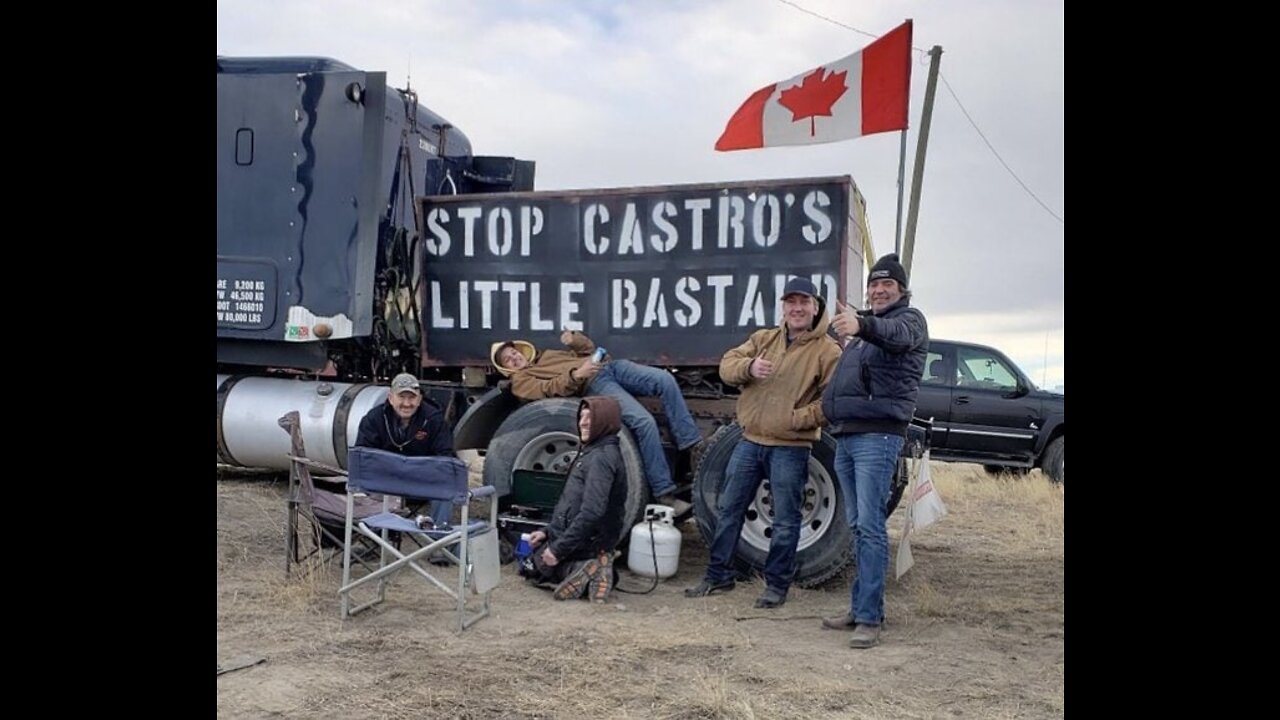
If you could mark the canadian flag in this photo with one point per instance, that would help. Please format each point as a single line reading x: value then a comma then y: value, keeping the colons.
x: 864, y: 93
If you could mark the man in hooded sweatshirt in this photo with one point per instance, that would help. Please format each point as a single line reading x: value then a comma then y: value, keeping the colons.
x: 566, y: 373
x: 587, y: 522
x: 781, y: 372
x: 868, y: 404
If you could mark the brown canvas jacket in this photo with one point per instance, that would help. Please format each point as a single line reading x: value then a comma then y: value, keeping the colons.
x: 786, y: 407
x: 548, y: 375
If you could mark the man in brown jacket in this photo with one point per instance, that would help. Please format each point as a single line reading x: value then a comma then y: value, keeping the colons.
x: 573, y: 372
x: 782, y: 372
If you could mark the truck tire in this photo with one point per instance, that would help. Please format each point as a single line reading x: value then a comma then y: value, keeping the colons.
x: 824, y: 535
x: 1054, y: 462
x: 543, y: 435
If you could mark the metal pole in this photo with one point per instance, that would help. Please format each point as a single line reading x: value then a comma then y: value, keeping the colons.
x: 917, y: 171
x: 902, y: 184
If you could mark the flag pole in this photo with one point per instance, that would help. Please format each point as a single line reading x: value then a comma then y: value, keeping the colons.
x: 917, y: 171
x: 902, y: 168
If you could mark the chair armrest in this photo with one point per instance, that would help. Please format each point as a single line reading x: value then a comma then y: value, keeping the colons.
x: 483, y: 491
x: 323, y: 467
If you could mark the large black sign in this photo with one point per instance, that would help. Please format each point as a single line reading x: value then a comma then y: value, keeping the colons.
x: 673, y: 275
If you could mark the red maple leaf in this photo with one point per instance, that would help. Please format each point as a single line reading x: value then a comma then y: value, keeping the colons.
x: 814, y: 96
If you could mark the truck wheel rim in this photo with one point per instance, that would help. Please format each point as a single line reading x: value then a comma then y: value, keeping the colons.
x: 817, y: 510
x: 551, y: 452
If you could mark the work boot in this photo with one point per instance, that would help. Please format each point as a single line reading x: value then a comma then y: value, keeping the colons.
x: 678, y: 506
x: 840, y: 622
x: 706, y: 587
x: 575, y: 583
x: 865, y: 636
x: 771, y: 598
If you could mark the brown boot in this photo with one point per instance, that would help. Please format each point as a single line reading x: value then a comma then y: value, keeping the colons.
x: 865, y: 636
x: 840, y: 622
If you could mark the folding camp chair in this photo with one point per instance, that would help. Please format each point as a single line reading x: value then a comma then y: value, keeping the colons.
x: 472, y: 546
x: 322, y: 511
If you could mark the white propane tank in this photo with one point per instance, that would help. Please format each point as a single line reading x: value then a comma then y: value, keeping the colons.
x: 663, y: 542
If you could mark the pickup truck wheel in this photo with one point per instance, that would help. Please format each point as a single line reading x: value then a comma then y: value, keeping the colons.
x: 543, y: 436
x: 823, y: 550
x: 1054, y: 462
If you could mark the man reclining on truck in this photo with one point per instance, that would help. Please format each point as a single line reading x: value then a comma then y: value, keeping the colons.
x: 588, y: 519
x: 573, y: 372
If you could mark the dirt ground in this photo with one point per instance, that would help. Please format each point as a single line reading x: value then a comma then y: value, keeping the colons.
x: 975, y: 629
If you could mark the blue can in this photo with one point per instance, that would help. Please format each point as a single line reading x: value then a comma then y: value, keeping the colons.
x: 597, y: 357
x: 523, y: 550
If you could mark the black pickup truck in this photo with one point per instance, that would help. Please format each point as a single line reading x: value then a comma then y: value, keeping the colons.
x: 985, y: 410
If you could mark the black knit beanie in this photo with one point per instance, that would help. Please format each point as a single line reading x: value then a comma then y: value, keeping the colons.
x: 888, y: 267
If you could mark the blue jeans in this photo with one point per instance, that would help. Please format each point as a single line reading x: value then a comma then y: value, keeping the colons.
x: 865, y: 464
x: 787, y: 469
x: 441, y: 512
x: 621, y: 380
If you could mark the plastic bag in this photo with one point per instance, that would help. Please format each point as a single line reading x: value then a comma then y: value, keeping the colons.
x: 925, y: 509
x: 926, y: 504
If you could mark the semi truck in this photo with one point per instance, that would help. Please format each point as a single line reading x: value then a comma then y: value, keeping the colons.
x: 359, y: 236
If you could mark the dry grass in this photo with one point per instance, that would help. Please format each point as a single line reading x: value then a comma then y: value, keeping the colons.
x: 975, y: 629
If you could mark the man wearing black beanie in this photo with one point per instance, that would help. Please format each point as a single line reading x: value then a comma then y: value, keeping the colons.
x: 868, y: 404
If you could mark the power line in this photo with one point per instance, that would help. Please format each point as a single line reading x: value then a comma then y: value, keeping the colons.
x: 959, y: 104
x: 807, y: 11
x: 993, y: 151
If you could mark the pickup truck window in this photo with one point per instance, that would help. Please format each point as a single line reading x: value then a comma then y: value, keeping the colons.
x: 936, y: 370
x: 982, y: 370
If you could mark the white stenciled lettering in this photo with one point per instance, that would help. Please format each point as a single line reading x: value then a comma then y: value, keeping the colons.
x: 732, y: 211
x: 437, y: 242
x: 438, y: 319
x: 667, y: 241
x: 683, y: 287
x: 530, y: 225
x: 513, y: 290
x: 468, y: 216
x: 631, y: 239
x: 595, y: 213
x: 500, y: 237
x: 655, y: 308
x: 761, y: 236
x: 719, y: 283
x: 569, y: 305
x: 752, y: 303
x: 696, y: 207
x: 814, y: 202
x: 464, y: 307
x: 486, y: 288
x: 624, y: 304
x: 536, y: 321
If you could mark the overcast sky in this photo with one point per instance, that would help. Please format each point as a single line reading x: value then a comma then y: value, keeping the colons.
x: 606, y: 94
